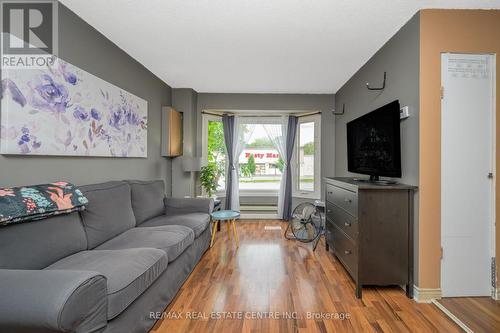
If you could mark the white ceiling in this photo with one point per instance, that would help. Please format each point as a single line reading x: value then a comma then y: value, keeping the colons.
x: 254, y: 46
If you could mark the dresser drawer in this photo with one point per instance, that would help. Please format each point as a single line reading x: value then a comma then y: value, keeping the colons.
x: 343, y: 220
x: 346, y: 251
x: 345, y: 199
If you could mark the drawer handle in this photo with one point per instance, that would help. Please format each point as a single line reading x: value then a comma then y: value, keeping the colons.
x: 347, y: 200
x: 330, y: 192
x: 347, y: 224
x: 347, y: 252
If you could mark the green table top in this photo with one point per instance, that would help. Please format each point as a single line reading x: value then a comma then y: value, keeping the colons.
x: 225, y: 215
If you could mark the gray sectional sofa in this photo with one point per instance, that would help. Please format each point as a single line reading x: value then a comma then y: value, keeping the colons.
x: 104, y: 269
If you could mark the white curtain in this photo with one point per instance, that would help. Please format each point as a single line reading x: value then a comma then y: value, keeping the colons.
x: 242, y: 133
x: 277, y: 133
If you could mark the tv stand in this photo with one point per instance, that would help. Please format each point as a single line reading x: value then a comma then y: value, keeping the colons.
x: 370, y: 230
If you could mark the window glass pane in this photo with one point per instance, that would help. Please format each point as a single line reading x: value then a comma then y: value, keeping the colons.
x: 260, y: 164
x: 306, y: 156
x: 216, y: 150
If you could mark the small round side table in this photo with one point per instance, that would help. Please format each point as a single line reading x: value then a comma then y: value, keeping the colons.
x: 225, y: 215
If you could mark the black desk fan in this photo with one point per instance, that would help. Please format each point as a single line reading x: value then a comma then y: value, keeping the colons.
x: 306, y: 224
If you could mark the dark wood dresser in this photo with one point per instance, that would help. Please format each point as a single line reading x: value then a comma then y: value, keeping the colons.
x: 369, y: 228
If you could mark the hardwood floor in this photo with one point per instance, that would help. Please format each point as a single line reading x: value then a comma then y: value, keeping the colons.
x: 291, y: 287
x: 480, y: 314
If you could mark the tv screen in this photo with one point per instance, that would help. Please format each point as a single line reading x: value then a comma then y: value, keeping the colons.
x: 374, y: 144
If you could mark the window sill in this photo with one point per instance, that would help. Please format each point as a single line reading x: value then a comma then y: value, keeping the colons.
x: 249, y: 193
x: 272, y: 194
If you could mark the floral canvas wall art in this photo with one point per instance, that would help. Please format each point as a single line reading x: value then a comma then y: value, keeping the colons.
x: 64, y: 110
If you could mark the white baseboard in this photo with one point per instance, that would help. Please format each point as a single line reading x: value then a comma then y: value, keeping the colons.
x: 426, y: 295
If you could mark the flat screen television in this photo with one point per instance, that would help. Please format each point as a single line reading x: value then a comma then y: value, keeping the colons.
x: 374, y: 143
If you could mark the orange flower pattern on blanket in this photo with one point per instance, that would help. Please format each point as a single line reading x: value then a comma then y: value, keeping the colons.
x: 6, y: 191
x: 63, y: 201
x: 27, y: 203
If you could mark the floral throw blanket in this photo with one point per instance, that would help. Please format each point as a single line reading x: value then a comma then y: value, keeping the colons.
x: 27, y: 203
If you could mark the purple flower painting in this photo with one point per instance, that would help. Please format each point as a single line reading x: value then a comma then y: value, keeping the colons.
x: 63, y: 110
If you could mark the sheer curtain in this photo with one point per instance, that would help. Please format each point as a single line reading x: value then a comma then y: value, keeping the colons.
x: 236, y: 134
x: 277, y: 133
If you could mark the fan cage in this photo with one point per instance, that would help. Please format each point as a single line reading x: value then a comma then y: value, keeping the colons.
x: 307, y: 224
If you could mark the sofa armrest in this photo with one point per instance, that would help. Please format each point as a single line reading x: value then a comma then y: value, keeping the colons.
x: 176, y: 206
x: 52, y: 301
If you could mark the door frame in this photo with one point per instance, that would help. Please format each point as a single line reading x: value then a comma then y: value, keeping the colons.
x: 492, y: 229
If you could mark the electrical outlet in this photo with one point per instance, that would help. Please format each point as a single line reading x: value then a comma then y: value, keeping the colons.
x: 404, y: 112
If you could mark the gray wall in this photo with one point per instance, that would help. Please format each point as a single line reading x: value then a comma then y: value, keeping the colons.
x: 85, y: 47
x: 273, y: 102
x: 399, y: 57
x: 185, y: 100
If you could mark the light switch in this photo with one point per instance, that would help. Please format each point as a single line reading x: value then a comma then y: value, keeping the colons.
x: 404, y: 112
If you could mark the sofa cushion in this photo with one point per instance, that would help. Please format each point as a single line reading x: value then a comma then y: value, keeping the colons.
x: 198, y: 222
x: 180, y: 206
x: 172, y: 239
x: 109, y: 211
x: 35, y: 245
x: 147, y: 199
x: 128, y: 272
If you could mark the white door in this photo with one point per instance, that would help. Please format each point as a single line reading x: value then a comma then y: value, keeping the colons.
x: 467, y: 187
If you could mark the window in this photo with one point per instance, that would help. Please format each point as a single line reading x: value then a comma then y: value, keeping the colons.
x: 259, y: 162
x: 306, y: 161
x: 214, y: 147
